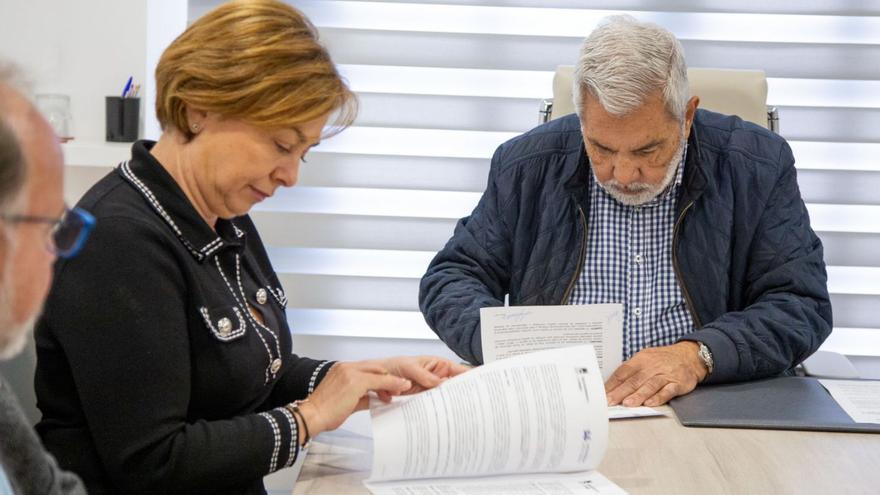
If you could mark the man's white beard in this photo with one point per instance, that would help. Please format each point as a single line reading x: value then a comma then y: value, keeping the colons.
x: 639, y: 193
x: 13, y: 337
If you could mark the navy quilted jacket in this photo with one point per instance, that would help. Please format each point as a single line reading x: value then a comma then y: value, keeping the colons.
x: 750, y: 266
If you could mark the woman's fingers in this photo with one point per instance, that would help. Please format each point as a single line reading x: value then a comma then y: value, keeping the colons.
x: 444, y: 368
x: 456, y: 369
x: 346, y: 387
x: 426, y: 371
x: 388, y: 383
x: 419, y: 375
x: 377, y: 367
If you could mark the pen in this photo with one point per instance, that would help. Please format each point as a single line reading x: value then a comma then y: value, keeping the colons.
x: 127, y: 87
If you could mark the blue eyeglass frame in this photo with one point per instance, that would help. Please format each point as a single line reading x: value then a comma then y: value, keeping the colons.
x: 86, y: 224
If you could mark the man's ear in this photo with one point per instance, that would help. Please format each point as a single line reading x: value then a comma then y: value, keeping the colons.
x: 690, y: 111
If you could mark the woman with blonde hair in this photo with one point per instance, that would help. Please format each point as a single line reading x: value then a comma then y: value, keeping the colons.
x: 165, y: 357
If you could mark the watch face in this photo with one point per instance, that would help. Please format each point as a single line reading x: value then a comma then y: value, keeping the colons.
x: 706, y: 356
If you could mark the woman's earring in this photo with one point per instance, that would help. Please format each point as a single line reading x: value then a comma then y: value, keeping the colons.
x: 195, y: 127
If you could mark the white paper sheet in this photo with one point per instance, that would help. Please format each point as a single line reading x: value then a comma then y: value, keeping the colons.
x: 623, y: 412
x: 515, y: 330
x: 539, y: 412
x: 534, y: 484
x: 859, y: 398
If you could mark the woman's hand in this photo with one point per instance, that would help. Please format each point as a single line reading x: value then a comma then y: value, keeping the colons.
x: 345, y: 389
x: 425, y: 372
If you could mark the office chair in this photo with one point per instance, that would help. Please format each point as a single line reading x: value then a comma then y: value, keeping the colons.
x: 732, y: 92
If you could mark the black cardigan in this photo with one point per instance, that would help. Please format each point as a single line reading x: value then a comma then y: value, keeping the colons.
x: 152, y: 376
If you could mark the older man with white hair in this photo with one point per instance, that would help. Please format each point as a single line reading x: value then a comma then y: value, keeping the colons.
x: 691, y: 219
x: 35, y: 227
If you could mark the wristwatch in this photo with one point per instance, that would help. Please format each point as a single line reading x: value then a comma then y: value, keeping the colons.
x: 706, y: 356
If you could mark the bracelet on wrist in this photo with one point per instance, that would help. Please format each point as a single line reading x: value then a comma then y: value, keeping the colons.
x: 295, y: 409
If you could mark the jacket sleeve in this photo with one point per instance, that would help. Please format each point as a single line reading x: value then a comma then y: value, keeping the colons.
x: 293, y: 385
x: 23, y: 461
x: 471, y: 272
x: 118, y: 311
x: 789, y: 311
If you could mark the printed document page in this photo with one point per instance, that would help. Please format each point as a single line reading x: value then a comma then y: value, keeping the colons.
x: 535, y: 413
x: 513, y: 330
x: 590, y: 483
x: 859, y: 398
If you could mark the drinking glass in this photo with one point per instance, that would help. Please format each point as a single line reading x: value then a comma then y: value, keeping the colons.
x: 56, y: 109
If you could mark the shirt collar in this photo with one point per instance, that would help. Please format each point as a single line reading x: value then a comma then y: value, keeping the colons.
x: 169, y: 202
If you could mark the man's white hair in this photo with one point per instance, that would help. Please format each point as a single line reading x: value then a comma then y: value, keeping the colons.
x: 12, y: 165
x: 13, y: 337
x: 623, y: 61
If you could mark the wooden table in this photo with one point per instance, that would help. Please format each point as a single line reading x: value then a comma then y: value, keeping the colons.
x: 659, y: 456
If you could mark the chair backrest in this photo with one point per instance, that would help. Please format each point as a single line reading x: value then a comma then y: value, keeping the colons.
x: 732, y: 92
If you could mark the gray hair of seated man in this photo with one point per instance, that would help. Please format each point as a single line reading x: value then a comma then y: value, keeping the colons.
x: 12, y: 178
x: 12, y: 164
x: 624, y: 60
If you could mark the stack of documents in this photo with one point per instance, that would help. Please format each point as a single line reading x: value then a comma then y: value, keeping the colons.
x: 535, y: 423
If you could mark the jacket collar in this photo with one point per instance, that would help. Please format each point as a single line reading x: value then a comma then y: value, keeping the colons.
x: 694, y: 181
x: 169, y: 202
x: 578, y: 181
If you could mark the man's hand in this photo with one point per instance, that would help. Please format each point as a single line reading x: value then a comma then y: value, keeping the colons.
x: 655, y: 375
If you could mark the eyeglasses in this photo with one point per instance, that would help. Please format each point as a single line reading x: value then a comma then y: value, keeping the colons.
x: 69, y: 232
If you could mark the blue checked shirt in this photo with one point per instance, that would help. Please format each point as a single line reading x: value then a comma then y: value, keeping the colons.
x: 629, y: 261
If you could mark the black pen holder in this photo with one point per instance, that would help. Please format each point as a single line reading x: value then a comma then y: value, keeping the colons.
x: 123, y: 115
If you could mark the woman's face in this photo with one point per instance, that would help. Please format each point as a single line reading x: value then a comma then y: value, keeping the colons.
x: 235, y: 165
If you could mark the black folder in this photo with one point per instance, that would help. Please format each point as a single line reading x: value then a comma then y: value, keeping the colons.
x: 784, y: 403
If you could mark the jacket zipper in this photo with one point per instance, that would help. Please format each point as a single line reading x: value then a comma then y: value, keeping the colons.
x: 681, y: 284
x: 581, y: 260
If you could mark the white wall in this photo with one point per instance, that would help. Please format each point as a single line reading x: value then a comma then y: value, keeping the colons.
x: 86, y: 49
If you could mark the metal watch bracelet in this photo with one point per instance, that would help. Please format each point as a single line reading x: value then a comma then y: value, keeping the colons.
x: 706, y: 356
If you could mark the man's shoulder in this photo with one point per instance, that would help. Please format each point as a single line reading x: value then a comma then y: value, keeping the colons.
x: 560, y: 136
x: 14, y: 427
x: 27, y: 464
x: 9, y: 406
x: 739, y: 141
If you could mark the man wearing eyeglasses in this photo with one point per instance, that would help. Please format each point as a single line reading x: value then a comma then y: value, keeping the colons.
x: 35, y: 228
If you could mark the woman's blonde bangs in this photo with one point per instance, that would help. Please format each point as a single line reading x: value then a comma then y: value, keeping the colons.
x: 256, y: 60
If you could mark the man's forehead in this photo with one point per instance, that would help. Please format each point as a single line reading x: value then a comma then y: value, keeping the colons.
x: 624, y: 139
x: 639, y: 129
